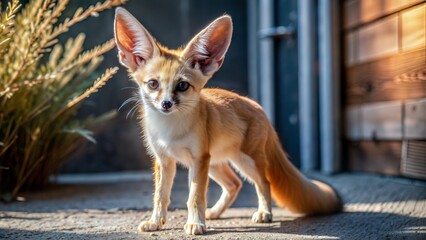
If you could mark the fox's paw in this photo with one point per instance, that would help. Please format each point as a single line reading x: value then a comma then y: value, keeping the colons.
x: 262, y: 216
x: 195, y: 228
x: 149, y: 226
x: 212, y: 214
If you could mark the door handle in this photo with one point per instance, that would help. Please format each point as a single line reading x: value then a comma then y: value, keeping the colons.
x: 277, y: 32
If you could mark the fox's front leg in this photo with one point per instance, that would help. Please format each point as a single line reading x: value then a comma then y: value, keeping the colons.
x: 164, y: 172
x: 198, y: 181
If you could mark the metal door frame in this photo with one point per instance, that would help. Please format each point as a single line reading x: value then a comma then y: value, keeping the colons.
x: 325, y: 154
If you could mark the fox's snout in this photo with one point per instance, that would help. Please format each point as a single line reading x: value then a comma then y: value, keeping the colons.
x: 163, y: 105
x: 166, y: 105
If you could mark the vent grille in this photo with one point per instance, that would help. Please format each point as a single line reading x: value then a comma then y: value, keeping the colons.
x: 414, y: 159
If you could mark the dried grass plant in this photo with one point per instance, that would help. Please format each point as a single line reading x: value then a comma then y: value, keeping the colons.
x: 42, y: 83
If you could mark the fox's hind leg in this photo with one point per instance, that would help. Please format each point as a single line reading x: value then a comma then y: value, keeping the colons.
x: 231, y: 185
x: 247, y: 166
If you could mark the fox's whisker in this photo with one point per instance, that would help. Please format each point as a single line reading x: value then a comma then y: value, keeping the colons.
x: 132, y: 110
x: 133, y: 88
x: 129, y: 100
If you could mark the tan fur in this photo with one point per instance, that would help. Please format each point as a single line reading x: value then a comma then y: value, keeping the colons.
x: 209, y: 129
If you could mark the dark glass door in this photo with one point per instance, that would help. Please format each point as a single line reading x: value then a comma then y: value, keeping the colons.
x: 286, y: 81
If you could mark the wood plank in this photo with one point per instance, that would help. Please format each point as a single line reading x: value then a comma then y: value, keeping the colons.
x: 398, y: 77
x: 374, y: 121
x: 379, y: 157
x: 415, y: 119
x: 359, y: 13
x: 392, y: 6
x: 370, y: 10
x: 351, y: 13
x: 391, y: 120
x: 351, y: 48
x: 413, y: 29
x: 382, y: 121
x: 378, y: 39
x: 353, y: 123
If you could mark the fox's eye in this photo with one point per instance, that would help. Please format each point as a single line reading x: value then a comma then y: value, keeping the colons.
x: 153, y: 84
x: 182, y: 86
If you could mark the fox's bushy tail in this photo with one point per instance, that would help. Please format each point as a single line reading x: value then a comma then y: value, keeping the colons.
x: 294, y: 191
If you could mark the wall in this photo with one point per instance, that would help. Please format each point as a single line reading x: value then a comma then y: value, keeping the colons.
x: 385, y: 93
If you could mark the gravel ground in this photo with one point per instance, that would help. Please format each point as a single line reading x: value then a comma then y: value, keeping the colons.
x: 110, y: 206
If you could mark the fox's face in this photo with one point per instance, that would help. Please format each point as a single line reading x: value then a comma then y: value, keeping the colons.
x: 169, y: 84
x: 170, y: 80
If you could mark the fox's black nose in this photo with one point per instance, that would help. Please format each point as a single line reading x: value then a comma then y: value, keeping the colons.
x: 166, y: 105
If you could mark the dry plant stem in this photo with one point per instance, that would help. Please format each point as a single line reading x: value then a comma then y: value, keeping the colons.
x: 79, y: 16
x: 39, y: 96
x: 96, y: 86
x: 6, y: 22
x: 88, y: 55
x: 82, y: 59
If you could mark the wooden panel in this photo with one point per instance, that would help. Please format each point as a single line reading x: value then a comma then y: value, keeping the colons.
x: 378, y: 39
x: 399, y: 77
x: 351, y: 13
x: 413, y: 27
x: 353, y: 123
x: 351, y: 48
x: 382, y: 121
x: 370, y: 10
x: 375, y: 121
x: 394, y: 120
x: 391, y: 6
x: 415, y: 120
x: 363, y: 12
x: 385, y: 60
x: 378, y: 157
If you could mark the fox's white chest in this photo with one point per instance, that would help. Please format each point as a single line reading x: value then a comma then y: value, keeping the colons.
x: 178, y: 138
x: 171, y: 138
x: 182, y: 150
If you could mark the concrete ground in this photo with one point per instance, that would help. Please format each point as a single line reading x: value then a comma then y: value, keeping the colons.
x: 110, y: 206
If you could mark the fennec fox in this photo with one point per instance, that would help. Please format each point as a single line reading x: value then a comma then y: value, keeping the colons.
x: 208, y: 130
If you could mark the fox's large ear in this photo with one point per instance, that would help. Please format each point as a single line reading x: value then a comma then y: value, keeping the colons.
x: 206, y: 51
x: 135, y: 44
